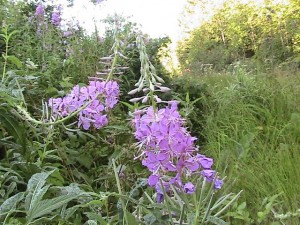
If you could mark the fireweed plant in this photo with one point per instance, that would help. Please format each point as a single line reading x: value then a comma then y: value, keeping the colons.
x: 166, y: 147
x: 90, y: 103
x: 102, y: 95
x: 94, y: 100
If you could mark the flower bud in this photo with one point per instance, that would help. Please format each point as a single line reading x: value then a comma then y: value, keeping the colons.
x: 135, y: 99
x: 132, y: 92
x: 141, y: 85
x: 151, y: 86
x: 146, y: 89
x: 153, y: 80
x: 145, y: 99
x: 164, y: 89
x: 157, y: 99
x: 159, y: 79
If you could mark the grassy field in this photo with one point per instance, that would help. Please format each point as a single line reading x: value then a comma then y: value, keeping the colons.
x: 251, y: 127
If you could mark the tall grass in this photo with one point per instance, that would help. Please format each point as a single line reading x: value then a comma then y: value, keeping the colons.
x: 251, y: 128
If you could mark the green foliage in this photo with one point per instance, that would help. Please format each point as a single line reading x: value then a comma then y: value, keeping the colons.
x: 250, y: 127
x: 32, y: 202
x: 53, y: 172
x: 265, y: 34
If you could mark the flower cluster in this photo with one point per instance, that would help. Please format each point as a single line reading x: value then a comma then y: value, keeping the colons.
x: 39, y: 15
x: 40, y: 11
x: 56, y: 16
x: 102, y: 96
x: 169, y: 151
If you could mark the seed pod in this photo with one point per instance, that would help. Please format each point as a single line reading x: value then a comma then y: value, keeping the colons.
x: 138, y: 83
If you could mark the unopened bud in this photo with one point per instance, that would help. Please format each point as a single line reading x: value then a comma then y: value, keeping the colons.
x: 141, y: 85
x: 151, y: 86
x: 135, y: 99
x: 152, y: 68
x: 164, y: 89
x: 132, y: 92
x: 145, y: 99
x: 159, y: 79
x: 146, y: 89
x: 153, y: 80
x: 157, y: 99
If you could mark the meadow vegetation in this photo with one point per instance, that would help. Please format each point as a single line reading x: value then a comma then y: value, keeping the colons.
x: 94, y: 130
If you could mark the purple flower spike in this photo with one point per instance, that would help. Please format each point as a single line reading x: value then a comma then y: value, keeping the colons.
x: 169, y: 151
x: 55, y: 18
x: 94, y: 115
x: 40, y: 10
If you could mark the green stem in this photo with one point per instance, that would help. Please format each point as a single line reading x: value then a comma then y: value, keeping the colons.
x: 5, y: 55
x: 116, y: 54
x: 119, y: 190
x: 27, y: 116
x: 166, y: 202
x: 153, y: 103
x: 112, y: 66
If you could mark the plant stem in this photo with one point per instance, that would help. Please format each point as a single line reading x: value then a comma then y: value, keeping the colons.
x: 119, y: 190
x: 6, y: 39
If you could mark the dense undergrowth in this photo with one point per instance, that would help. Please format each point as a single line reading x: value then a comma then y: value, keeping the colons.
x: 250, y: 126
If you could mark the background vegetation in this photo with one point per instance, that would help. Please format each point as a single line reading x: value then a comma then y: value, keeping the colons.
x: 238, y: 89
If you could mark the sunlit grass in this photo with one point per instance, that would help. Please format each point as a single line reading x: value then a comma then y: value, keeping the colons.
x: 251, y: 130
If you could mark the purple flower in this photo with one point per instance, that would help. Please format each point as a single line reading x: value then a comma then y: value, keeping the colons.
x: 205, y: 162
x: 168, y: 149
x: 95, y: 113
x: 189, y: 188
x: 218, y: 184
x: 153, y: 180
x: 55, y: 18
x: 160, y: 190
x: 67, y: 33
x: 208, y: 174
x: 40, y: 10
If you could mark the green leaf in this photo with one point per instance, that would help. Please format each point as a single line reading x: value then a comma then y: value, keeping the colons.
x: 216, y: 220
x: 13, y: 127
x: 14, y: 60
x: 35, y: 189
x: 13, y: 33
x: 242, y: 206
x: 131, y: 219
x: 47, y: 206
x: 97, y: 217
x: 130, y: 107
x: 51, y: 90
x: 10, y: 204
x: 91, y: 222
